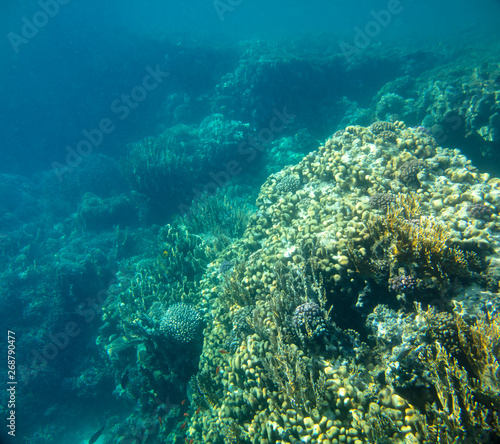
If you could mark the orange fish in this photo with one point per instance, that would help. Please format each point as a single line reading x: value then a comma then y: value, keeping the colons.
x: 161, y: 421
x: 223, y: 351
x: 217, y: 370
x: 197, y: 410
x: 186, y: 414
x: 183, y: 425
x: 183, y: 402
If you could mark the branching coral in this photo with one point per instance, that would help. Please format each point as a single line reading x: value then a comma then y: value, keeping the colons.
x: 234, y: 292
x: 296, y: 375
x: 217, y: 217
x: 155, y: 167
x: 169, y: 167
x: 481, y: 345
x: 460, y: 413
x: 464, y: 369
x: 183, y: 259
x: 415, y: 241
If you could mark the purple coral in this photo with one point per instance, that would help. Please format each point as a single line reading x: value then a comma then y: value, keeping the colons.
x: 480, y: 211
x: 308, y: 322
x: 409, y: 171
x: 382, y: 200
x: 403, y: 284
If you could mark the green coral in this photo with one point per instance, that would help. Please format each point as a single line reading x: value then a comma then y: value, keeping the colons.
x: 217, y: 218
x: 174, y: 166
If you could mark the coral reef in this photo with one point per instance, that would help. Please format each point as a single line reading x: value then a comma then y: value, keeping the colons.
x: 308, y: 322
x: 480, y: 211
x: 333, y: 313
x: 356, y: 302
x: 182, y: 323
x: 382, y: 200
x: 175, y: 166
x: 461, y: 108
x: 323, y: 245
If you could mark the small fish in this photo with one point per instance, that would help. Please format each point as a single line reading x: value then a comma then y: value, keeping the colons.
x: 96, y: 435
x: 186, y: 414
x: 183, y: 402
x: 197, y: 410
x: 183, y: 425
x: 223, y: 351
x: 217, y: 370
x: 160, y: 420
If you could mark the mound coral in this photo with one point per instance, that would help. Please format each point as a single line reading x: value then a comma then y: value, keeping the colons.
x: 309, y: 322
x: 182, y: 323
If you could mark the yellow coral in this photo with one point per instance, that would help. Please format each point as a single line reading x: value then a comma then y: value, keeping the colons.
x: 418, y: 239
x: 458, y: 412
x: 481, y: 344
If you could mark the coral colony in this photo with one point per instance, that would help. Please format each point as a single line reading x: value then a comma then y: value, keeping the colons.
x: 314, y: 327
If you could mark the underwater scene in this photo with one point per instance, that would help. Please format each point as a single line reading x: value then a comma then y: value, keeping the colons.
x: 250, y: 222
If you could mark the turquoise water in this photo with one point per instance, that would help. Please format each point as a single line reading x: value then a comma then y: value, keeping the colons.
x: 135, y: 142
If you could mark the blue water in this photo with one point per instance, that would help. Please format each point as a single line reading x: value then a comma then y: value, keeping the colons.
x: 64, y: 78
x: 82, y: 82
